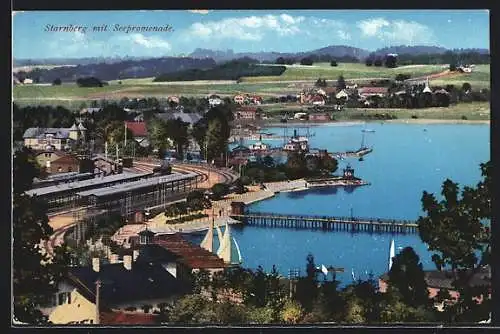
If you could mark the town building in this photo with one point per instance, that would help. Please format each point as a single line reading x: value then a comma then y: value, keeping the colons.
x: 191, y: 118
x: 438, y: 280
x: 214, y: 100
x: 173, y: 99
x: 365, y: 92
x: 318, y: 100
x: 143, y: 278
x: 139, y: 131
x: 240, y: 99
x: 319, y: 117
x: 43, y: 139
x: 246, y: 113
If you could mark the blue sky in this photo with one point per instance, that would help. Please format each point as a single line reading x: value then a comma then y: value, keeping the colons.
x: 243, y: 30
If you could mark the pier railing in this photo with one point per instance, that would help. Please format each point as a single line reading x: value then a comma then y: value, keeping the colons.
x: 353, y: 224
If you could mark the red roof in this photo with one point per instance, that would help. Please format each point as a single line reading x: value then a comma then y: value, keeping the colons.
x: 127, y: 318
x: 317, y: 98
x: 66, y: 159
x: 138, y: 128
x: 373, y: 90
x: 247, y: 109
x: 193, y: 256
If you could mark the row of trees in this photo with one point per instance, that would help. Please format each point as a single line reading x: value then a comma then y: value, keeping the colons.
x: 311, y: 59
x: 298, y: 165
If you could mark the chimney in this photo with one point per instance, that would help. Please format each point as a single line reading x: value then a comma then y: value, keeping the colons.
x: 127, y: 262
x: 95, y: 264
x: 136, y: 254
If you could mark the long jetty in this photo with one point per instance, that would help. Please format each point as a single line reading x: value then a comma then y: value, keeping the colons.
x: 328, y: 223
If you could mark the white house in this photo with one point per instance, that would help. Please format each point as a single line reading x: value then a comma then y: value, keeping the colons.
x: 214, y: 100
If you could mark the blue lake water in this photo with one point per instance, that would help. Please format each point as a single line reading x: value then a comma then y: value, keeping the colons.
x: 406, y: 160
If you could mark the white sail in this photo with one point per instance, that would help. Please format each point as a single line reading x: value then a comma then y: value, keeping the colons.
x: 224, y: 251
x: 220, y: 236
x: 240, y: 259
x: 208, y: 241
x: 392, y: 253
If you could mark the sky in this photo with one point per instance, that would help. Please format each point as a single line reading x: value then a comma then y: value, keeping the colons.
x: 241, y: 31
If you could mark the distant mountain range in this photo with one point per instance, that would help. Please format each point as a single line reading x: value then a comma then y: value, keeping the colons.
x: 222, y: 56
x: 332, y: 50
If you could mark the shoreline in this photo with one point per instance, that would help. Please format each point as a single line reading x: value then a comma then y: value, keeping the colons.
x: 356, y: 122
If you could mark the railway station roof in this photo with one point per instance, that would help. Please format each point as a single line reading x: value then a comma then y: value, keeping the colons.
x: 134, y: 185
x: 95, y: 182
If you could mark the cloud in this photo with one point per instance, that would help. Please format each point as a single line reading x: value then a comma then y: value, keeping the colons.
x: 256, y: 28
x: 75, y: 44
x: 396, y: 31
x: 372, y: 27
x: 199, y: 11
x: 151, y: 42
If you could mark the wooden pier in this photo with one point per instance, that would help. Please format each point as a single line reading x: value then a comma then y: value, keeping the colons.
x: 350, y: 224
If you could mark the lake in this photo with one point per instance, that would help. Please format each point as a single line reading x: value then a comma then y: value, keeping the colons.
x: 406, y: 160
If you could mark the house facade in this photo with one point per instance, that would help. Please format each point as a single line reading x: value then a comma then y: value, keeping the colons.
x: 319, y: 117
x: 124, y: 285
x: 365, y: 92
x: 246, y: 113
x: 214, y: 100
x: 57, y: 139
x: 139, y: 131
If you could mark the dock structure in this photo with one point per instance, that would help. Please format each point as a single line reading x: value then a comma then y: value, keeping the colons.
x: 328, y: 223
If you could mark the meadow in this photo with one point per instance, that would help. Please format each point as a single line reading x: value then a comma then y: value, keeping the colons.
x: 289, y: 83
x: 348, y: 70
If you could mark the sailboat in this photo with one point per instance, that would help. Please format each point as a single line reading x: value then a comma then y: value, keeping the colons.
x: 392, y: 253
x: 225, y: 250
x: 208, y: 241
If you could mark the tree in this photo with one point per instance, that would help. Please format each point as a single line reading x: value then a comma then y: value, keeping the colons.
x: 369, y: 61
x: 378, y: 62
x: 158, y: 134
x: 391, y: 61
x: 292, y: 312
x: 453, y: 67
x: 56, y: 82
x: 402, y: 77
x: 306, y: 61
x: 321, y: 83
x: 220, y: 190
x: 407, y: 276
x: 457, y: 229
x: 35, y: 274
x: 192, y: 309
x: 177, y: 130
x: 466, y: 87
x: 280, y: 60
x: 333, y: 63
x: 341, y: 82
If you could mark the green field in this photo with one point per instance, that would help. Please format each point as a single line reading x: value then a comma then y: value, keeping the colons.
x: 478, y: 79
x: 348, y: 70
x: 70, y: 95
x: 474, y: 111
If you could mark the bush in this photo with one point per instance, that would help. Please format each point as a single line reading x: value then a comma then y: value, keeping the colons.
x: 56, y: 82
x: 414, y: 116
x: 453, y: 67
x: 306, y: 61
x: 464, y: 117
x: 333, y: 63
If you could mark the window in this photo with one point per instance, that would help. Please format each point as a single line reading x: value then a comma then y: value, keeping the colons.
x: 64, y: 298
x: 60, y: 299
